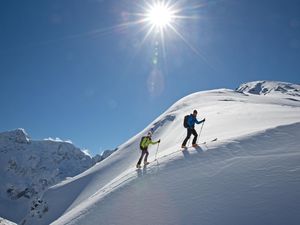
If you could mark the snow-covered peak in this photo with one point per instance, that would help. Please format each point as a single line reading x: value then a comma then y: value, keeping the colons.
x: 269, y: 87
x: 19, y: 135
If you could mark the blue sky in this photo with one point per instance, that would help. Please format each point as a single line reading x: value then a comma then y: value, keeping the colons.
x: 72, y: 69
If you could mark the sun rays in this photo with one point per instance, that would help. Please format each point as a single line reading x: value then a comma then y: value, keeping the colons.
x: 159, y: 15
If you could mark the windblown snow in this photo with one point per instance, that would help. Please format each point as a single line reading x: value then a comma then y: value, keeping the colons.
x: 250, y: 175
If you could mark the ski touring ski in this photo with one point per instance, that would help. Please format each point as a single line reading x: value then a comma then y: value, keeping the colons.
x: 213, y: 140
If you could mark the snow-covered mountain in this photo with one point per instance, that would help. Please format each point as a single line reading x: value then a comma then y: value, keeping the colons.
x: 270, y: 87
x: 29, y: 167
x: 250, y: 175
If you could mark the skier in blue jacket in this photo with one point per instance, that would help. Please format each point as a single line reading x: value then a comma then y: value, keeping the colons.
x: 192, y: 119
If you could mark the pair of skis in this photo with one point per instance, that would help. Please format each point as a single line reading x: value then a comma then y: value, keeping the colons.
x: 205, y: 142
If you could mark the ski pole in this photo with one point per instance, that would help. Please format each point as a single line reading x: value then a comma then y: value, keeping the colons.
x: 156, y: 151
x: 201, y: 129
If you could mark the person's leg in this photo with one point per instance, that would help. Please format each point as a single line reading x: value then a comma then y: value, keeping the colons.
x: 189, y: 132
x: 146, y: 155
x: 141, y: 158
x: 195, y: 136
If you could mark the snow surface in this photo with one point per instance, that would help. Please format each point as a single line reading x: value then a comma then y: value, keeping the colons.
x: 251, y: 175
x: 6, y: 222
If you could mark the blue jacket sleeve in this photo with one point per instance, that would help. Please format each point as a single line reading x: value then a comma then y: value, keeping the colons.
x: 198, y: 122
x: 192, y: 120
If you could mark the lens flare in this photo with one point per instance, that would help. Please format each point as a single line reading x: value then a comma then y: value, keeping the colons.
x: 156, y: 82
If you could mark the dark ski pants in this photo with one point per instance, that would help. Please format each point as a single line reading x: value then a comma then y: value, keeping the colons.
x: 144, y: 153
x: 190, y: 131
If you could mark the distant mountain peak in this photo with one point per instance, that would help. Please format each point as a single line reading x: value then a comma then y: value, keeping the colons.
x: 269, y: 87
x: 18, y: 135
x: 28, y: 167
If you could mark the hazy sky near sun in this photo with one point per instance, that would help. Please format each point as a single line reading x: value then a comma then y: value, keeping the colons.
x: 93, y: 72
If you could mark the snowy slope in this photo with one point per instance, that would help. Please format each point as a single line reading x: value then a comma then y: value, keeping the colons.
x: 249, y: 176
x: 29, y: 167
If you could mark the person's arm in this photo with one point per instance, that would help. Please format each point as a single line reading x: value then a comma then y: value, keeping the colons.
x: 155, y: 142
x: 201, y: 121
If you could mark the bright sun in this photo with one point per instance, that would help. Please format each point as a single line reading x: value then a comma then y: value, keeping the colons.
x: 159, y: 15
x: 162, y: 18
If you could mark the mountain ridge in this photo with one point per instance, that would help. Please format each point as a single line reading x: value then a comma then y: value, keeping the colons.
x: 265, y: 87
x: 28, y: 167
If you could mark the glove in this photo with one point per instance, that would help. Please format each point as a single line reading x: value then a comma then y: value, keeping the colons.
x: 203, y: 120
x: 158, y: 141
